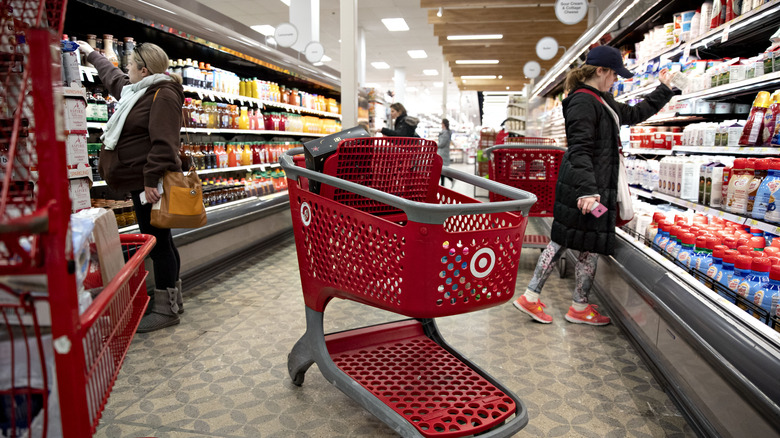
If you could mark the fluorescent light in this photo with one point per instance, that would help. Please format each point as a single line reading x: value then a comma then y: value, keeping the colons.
x: 438, y: 84
x: 317, y: 64
x: 326, y: 58
x: 479, y: 77
x: 507, y: 88
x: 395, y: 24
x: 158, y: 7
x: 265, y: 29
x: 496, y: 36
x: 431, y: 72
x: 476, y: 61
x: 287, y: 2
x: 417, y: 54
x: 380, y: 65
x: 438, y: 13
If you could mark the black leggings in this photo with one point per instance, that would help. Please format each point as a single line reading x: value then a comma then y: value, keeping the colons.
x: 165, y: 256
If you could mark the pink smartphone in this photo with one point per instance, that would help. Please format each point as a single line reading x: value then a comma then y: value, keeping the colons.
x: 598, y: 210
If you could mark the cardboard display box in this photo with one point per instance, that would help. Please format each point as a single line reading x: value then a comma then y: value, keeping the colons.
x: 78, y: 157
x: 79, y: 193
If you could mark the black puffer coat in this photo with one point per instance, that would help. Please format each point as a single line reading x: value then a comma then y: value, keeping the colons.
x: 405, y: 126
x: 590, y: 166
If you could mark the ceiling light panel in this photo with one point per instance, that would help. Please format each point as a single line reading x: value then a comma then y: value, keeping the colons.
x: 395, y: 24
x: 476, y: 61
x: 497, y: 36
x: 381, y: 65
x: 417, y: 54
x: 431, y: 72
x: 264, y: 29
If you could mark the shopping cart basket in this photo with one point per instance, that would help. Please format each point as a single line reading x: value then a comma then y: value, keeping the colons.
x: 531, y: 164
x: 382, y: 232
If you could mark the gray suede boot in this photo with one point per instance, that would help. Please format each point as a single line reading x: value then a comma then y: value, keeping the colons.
x: 179, y: 299
x: 164, y: 311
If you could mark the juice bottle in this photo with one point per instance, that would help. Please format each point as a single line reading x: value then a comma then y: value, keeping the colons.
x: 768, y: 296
x: 759, y: 274
x: 231, y: 155
x: 243, y: 119
x: 246, y: 156
x: 256, y: 149
x: 256, y: 120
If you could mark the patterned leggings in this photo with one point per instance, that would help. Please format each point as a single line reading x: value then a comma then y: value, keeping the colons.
x: 584, y: 271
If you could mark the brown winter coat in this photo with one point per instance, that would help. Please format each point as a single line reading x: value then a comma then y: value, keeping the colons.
x: 149, y: 142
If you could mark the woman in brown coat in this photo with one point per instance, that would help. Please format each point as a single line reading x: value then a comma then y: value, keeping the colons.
x: 141, y: 143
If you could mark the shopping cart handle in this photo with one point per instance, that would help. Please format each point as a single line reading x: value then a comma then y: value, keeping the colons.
x: 419, y: 211
x: 486, y: 153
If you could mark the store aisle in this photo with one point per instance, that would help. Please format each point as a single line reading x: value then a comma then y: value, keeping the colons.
x: 223, y: 371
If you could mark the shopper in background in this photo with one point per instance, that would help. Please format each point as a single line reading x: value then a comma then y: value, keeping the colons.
x: 502, y: 134
x: 588, y: 175
x: 445, y: 136
x: 404, y: 125
x: 140, y: 144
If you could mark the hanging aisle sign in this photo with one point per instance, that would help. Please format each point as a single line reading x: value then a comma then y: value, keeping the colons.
x: 547, y: 48
x: 314, y: 52
x: 286, y: 34
x: 531, y: 69
x: 571, y: 11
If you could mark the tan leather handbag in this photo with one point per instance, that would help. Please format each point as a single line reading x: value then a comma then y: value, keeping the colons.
x: 181, y: 203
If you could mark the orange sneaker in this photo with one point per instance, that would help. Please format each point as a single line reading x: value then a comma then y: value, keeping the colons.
x: 534, y: 310
x: 588, y: 316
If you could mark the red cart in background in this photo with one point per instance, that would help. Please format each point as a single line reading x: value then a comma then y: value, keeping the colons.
x: 382, y: 232
x: 530, y: 164
x: 58, y: 365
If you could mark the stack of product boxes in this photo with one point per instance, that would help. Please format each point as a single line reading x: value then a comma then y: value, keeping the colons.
x: 79, y: 170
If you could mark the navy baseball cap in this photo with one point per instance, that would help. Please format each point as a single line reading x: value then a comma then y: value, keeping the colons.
x: 609, y: 57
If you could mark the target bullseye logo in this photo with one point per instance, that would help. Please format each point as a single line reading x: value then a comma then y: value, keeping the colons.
x: 483, y: 262
x: 306, y: 213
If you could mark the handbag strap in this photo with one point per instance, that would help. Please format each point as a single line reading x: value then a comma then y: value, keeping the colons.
x: 609, y: 109
x: 183, y: 120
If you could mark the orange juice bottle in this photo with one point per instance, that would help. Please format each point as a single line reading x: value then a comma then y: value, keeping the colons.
x: 243, y: 119
x: 231, y: 153
x: 246, y: 156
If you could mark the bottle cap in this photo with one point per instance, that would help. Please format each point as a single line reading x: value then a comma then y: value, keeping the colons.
x: 712, y: 242
x: 774, y: 272
x: 658, y: 217
x: 730, y: 256
x: 731, y: 242
x: 775, y: 260
x: 745, y: 250
x: 762, y: 100
x: 719, y: 251
x: 743, y: 262
x: 688, y: 238
x: 775, y: 243
x: 700, y: 219
x: 771, y: 250
x: 761, y: 165
x: 742, y: 241
x: 701, y: 242
x: 761, y: 264
x: 757, y: 242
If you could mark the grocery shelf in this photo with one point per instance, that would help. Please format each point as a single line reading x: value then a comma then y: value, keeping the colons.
x: 769, y: 228
x: 733, y: 28
x: 642, y: 91
x: 742, y: 87
x: 520, y: 118
x: 662, y: 118
x: 726, y: 150
x: 220, y: 170
x: 102, y: 126
x: 233, y: 98
x: 646, y: 151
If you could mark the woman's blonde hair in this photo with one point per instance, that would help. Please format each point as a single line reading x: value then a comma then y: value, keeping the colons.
x: 153, y: 58
x: 578, y: 76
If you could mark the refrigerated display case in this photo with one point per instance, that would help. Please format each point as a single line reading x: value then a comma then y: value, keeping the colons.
x: 717, y: 362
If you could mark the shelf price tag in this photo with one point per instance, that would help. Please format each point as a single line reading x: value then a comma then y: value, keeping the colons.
x: 776, y: 231
x: 686, y: 51
x: 752, y: 222
x: 719, y: 214
x: 726, y: 29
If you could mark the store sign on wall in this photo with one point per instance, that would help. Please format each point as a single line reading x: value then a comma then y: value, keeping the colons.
x: 571, y: 11
x: 314, y: 52
x: 547, y: 48
x: 286, y: 35
x: 531, y: 69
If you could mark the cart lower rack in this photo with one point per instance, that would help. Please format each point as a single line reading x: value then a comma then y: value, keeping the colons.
x: 382, y: 232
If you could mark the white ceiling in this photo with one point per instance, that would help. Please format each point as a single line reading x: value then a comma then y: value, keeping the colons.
x: 381, y: 44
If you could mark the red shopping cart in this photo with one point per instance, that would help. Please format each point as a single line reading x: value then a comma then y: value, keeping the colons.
x: 45, y: 339
x: 530, y: 164
x: 382, y: 232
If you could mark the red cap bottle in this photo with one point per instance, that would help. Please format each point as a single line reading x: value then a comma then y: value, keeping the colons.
x: 712, y: 242
x: 719, y: 251
x: 745, y: 250
x: 743, y: 262
x: 730, y: 256
x: 774, y: 273
x: 731, y: 242
x: 688, y: 238
x: 761, y: 264
x: 771, y: 250
x: 701, y: 242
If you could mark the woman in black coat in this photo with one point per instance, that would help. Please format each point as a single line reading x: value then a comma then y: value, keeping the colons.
x: 588, y: 176
x: 404, y: 124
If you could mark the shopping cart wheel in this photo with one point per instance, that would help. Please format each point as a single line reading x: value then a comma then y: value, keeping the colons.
x: 562, y: 267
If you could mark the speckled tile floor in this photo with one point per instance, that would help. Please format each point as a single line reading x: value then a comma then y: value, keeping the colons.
x: 223, y: 371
